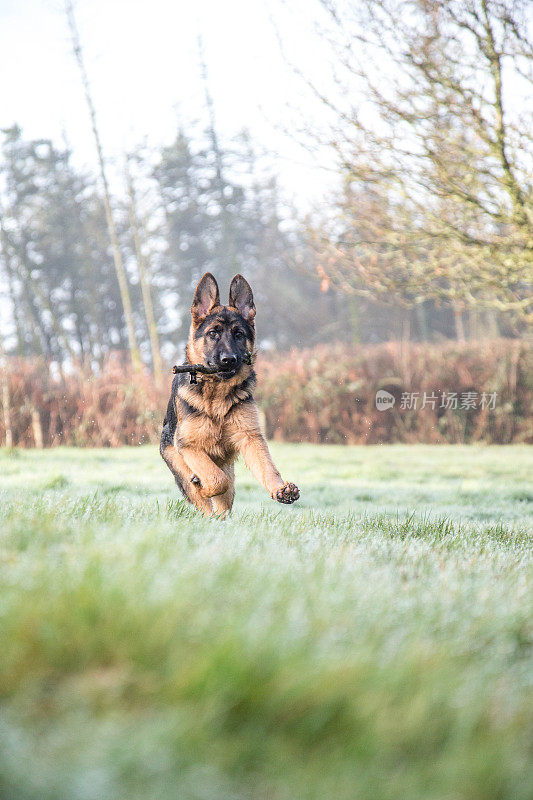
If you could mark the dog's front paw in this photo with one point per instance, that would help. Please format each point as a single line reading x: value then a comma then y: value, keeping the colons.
x: 288, y: 493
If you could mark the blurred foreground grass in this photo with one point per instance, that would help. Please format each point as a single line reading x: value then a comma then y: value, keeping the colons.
x: 373, y: 641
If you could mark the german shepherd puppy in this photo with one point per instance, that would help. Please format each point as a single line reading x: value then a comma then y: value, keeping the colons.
x: 208, y: 424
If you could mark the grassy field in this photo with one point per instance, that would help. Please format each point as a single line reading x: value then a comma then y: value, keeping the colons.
x: 372, y: 642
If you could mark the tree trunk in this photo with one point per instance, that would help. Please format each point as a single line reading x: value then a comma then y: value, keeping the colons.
x: 421, y: 317
x: 406, y: 326
x: 473, y: 324
x: 111, y: 226
x: 41, y: 345
x: 10, y: 270
x: 405, y: 345
x: 354, y: 317
x: 37, y: 429
x: 6, y: 398
x: 44, y: 302
x: 459, y: 324
x: 227, y: 244
x: 37, y: 330
x: 492, y: 323
x: 145, y: 288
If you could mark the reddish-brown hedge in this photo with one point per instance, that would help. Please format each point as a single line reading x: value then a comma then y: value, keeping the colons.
x: 110, y: 409
x: 326, y: 394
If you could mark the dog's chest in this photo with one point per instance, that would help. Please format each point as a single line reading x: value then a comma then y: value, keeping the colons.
x: 203, y: 432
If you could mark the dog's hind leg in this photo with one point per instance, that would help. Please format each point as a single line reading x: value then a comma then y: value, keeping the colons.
x: 182, y: 474
x: 213, y: 480
x: 222, y: 503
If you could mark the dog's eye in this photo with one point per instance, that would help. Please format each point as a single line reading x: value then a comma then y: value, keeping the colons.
x: 239, y: 335
x: 213, y: 334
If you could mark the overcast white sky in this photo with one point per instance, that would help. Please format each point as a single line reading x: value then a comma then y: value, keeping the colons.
x: 143, y: 62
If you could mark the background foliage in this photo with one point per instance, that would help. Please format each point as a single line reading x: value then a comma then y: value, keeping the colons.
x: 325, y: 394
x: 426, y: 238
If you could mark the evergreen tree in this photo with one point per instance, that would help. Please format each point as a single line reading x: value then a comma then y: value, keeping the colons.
x: 222, y: 216
x: 63, y: 288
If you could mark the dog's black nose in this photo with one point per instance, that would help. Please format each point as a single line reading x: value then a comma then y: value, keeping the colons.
x: 228, y: 360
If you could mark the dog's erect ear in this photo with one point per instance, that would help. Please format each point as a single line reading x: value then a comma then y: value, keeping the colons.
x: 241, y: 297
x: 206, y: 297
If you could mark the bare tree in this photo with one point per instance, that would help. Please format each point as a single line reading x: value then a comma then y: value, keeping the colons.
x: 227, y: 244
x: 111, y: 225
x: 443, y: 138
x: 140, y: 254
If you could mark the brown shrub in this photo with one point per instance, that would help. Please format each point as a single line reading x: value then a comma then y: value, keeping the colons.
x: 326, y: 394
x: 106, y: 410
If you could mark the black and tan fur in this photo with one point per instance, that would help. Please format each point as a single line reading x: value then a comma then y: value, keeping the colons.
x: 210, y: 423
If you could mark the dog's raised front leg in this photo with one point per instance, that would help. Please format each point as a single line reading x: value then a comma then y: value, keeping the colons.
x: 257, y: 458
